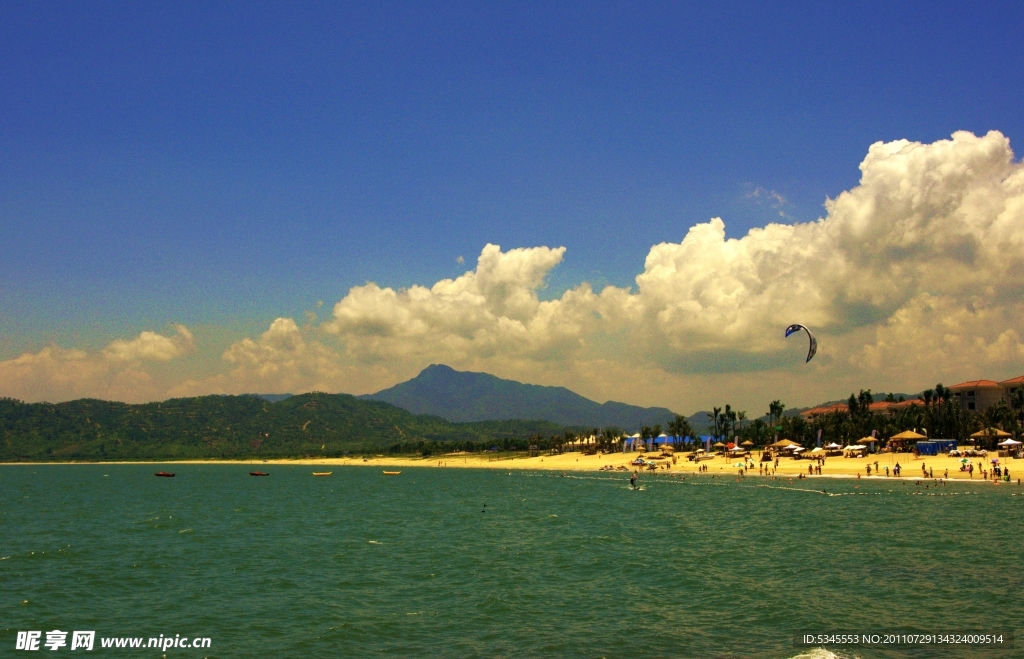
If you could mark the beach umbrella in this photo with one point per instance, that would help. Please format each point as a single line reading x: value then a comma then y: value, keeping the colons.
x: 719, y: 445
x: 990, y: 432
x: 747, y: 443
x: 965, y: 461
x: 738, y: 464
x: 907, y: 434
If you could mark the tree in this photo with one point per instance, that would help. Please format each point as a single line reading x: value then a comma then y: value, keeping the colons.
x: 716, y: 413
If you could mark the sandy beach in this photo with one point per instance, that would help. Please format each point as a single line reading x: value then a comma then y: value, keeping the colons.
x: 943, y: 467
x: 938, y: 466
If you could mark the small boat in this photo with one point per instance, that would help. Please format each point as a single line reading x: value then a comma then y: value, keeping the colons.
x: 322, y: 473
x: 258, y: 473
x: 391, y: 473
x: 164, y: 474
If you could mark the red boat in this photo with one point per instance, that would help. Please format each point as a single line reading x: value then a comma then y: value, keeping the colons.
x: 164, y: 474
x: 258, y: 473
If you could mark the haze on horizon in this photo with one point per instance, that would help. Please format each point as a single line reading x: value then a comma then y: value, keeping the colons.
x: 625, y: 203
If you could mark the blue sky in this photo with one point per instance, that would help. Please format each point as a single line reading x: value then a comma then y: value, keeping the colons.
x: 220, y: 165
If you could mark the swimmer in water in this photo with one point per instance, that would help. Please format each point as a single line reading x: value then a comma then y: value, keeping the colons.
x: 632, y: 480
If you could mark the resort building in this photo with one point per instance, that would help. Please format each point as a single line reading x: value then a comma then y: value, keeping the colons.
x: 978, y: 395
x: 974, y: 396
x: 1011, y: 385
x: 879, y: 407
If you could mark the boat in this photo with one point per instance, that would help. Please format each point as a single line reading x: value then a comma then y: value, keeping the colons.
x: 164, y: 474
x: 391, y: 473
x: 258, y: 473
x: 322, y: 473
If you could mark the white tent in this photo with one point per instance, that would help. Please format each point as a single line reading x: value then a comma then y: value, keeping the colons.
x: 833, y: 445
x: 1009, y: 442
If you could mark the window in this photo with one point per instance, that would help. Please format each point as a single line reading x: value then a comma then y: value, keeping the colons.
x: 970, y: 405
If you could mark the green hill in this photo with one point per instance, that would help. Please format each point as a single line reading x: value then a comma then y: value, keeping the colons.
x: 313, y: 424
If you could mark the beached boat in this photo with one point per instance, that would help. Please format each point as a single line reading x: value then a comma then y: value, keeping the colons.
x: 322, y: 473
x: 391, y: 473
x: 258, y: 473
x: 164, y: 474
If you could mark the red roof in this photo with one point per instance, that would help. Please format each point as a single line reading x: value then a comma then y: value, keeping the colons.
x: 1012, y: 381
x: 827, y: 409
x: 975, y: 384
x: 907, y: 403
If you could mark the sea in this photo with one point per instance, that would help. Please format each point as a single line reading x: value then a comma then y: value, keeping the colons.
x: 441, y: 562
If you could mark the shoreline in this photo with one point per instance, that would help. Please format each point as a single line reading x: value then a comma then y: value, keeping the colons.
x: 835, y: 467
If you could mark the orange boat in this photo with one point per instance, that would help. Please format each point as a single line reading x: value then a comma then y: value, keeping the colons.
x: 391, y: 473
x: 258, y: 473
x: 164, y: 474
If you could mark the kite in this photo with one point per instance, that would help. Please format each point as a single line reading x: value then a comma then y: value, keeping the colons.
x: 796, y: 327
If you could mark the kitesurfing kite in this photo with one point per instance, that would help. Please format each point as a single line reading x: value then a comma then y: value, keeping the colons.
x: 796, y: 327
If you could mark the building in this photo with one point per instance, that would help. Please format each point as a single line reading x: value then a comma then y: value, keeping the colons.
x: 878, y: 407
x: 978, y: 395
x: 1011, y: 385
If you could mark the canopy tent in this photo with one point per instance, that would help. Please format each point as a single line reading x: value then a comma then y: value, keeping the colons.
x: 1009, y: 442
x: 833, y: 446
x: 905, y: 435
x: 817, y: 451
x: 990, y: 432
x: 856, y: 447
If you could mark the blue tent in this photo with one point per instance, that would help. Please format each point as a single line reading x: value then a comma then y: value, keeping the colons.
x: 935, y: 446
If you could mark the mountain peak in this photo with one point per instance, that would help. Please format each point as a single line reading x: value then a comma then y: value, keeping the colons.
x: 468, y: 396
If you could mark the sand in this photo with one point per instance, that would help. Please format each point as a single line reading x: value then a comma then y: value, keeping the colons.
x: 834, y: 466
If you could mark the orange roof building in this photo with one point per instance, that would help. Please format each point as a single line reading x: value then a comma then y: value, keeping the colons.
x: 977, y: 395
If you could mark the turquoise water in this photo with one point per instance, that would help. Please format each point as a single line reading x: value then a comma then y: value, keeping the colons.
x: 361, y: 564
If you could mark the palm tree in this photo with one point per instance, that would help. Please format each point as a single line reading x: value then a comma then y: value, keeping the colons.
x: 715, y: 413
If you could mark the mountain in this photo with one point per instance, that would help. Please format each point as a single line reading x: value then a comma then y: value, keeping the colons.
x: 464, y: 396
x: 236, y: 427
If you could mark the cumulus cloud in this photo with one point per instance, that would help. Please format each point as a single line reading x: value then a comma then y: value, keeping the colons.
x: 151, y: 346
x: 117, y: 372
x: 917, y: 272
x: 913, y: 276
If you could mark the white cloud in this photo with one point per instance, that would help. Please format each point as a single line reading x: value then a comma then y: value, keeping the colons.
x: 116, y: 372
x: 914, y: 275
x: 151, y: 346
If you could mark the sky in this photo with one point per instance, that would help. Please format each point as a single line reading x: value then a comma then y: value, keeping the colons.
x: 629, y: 200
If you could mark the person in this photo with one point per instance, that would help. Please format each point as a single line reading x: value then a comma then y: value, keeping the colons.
x: 946, y: 475
x: 931, y: 473
x: 632, y: 480
x: 876, y: 466
x: 896, y: 470
x: 868, y: 468
x: 886, y: 471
